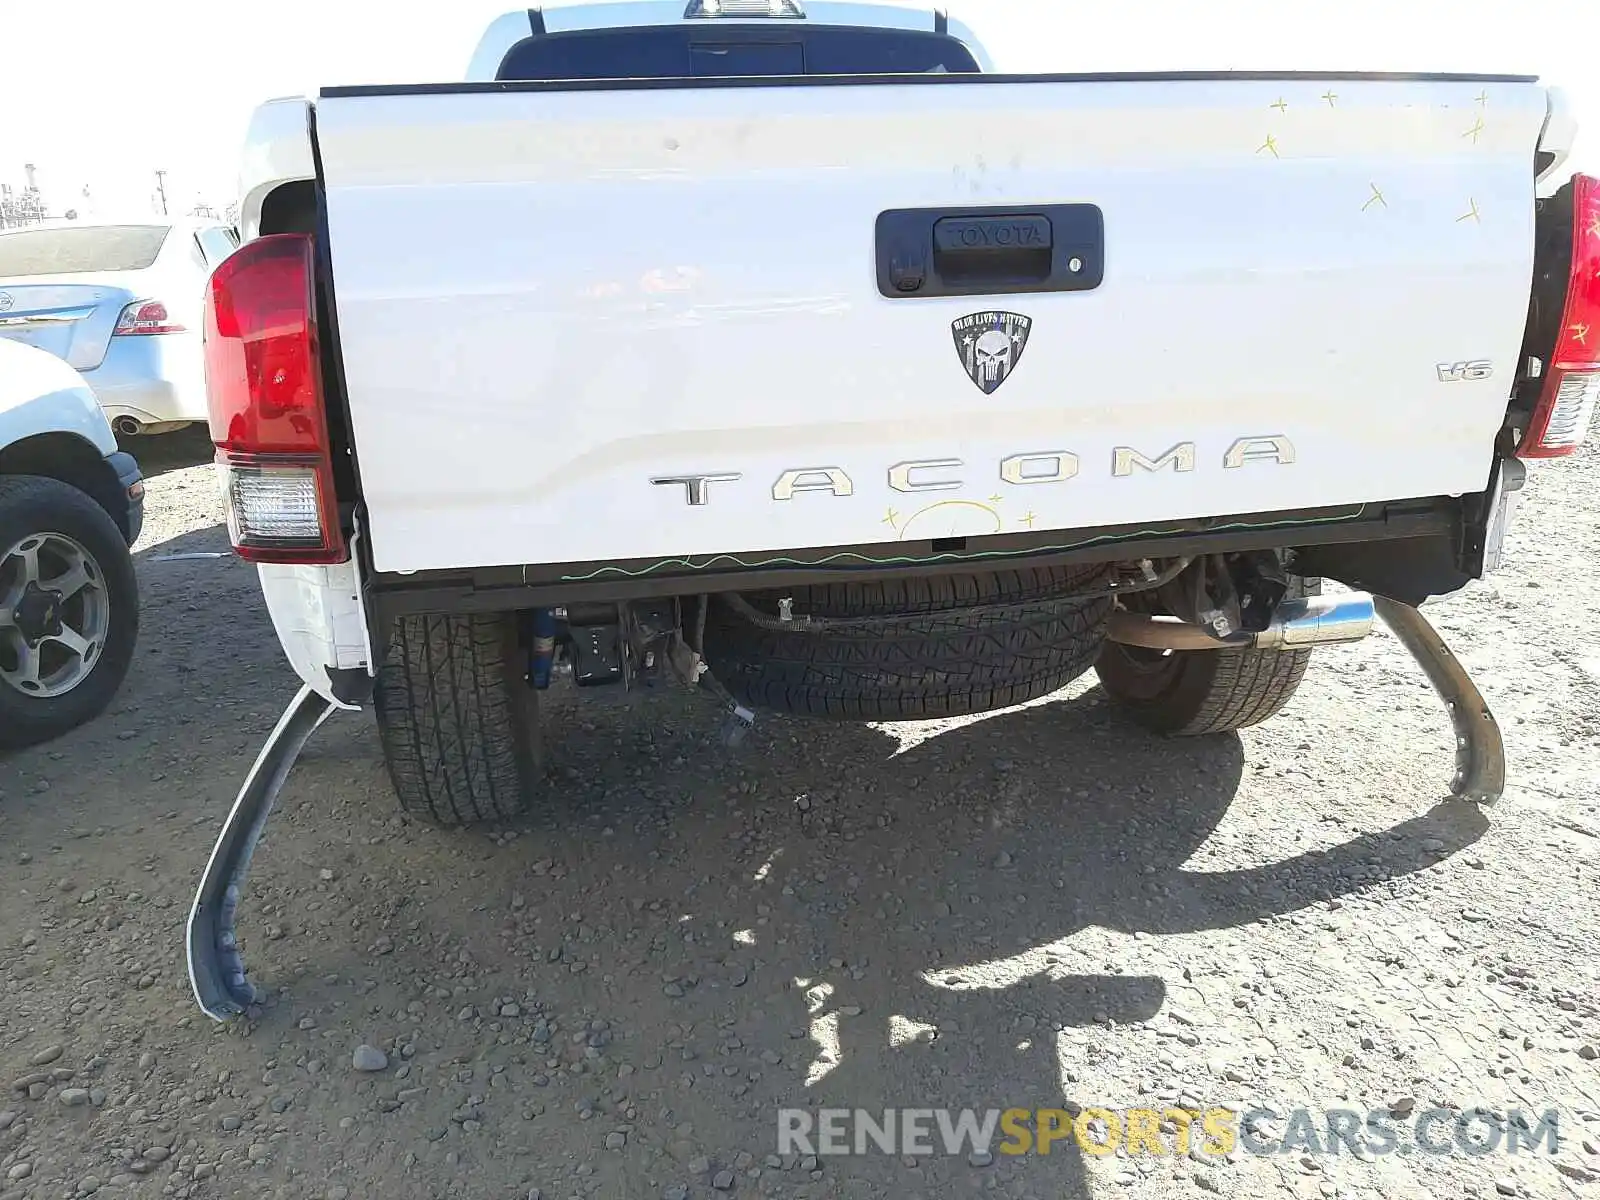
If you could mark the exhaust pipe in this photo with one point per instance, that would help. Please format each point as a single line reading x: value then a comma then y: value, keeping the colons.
x: 125, y: 426
x: 1297, y: 625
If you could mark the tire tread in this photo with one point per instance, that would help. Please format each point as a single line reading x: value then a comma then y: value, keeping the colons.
x: 455, y: 721
x: 1249, y: 687
x: 1214, y: 691
x: 953, y: 653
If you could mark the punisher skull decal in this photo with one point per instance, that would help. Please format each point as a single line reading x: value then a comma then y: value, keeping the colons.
x: 990, y: 345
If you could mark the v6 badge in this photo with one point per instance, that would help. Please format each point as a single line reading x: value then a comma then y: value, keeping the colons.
x: 990, y: 345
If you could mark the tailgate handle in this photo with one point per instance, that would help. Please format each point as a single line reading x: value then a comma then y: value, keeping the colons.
x: 997, y: 250
x: 927, y: 252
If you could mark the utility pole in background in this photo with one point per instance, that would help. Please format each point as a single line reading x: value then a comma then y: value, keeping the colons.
x: 161, y: 190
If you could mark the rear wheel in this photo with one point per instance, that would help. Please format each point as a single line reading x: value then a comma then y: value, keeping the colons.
x: 939, y: 647
x: 69, y: 609
x: 1186, y: 693
x: 458, y: 722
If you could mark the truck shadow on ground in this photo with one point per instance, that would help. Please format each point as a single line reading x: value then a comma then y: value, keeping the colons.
x: 998, y: 864
x: 918, y: 925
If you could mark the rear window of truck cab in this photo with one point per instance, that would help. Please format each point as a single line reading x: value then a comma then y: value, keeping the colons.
x: 697, y: 51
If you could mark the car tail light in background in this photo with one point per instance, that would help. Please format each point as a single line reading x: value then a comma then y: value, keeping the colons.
x: 145, y: 316
x: 264, y: 388
x: 1572, y: 384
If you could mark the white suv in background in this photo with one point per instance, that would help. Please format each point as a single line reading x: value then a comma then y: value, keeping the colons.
x: 71, y: 505
x: 121, y: 305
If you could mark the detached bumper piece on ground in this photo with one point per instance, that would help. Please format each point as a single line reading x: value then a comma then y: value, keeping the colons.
x: 216, y: 967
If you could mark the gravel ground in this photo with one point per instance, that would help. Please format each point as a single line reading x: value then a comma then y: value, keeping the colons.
x: 1042, y: 907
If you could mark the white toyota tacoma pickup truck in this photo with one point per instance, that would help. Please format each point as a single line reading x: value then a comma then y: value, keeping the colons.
x: 783, y: 347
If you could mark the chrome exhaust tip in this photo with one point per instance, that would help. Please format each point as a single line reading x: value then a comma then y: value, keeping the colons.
x: 1297, y: 625
x: 1319, y: 621
x: 126, y: 427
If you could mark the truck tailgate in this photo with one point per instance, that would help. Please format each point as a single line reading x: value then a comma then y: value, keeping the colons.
x: 552, y: 298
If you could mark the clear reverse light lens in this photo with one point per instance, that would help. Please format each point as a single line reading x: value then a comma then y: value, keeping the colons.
x: 273, y: 508
x: 1576, y: 397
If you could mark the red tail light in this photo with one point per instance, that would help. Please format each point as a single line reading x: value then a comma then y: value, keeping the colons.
x: 264, y: 386
x: 1572, y: 384
x: 145, y: 316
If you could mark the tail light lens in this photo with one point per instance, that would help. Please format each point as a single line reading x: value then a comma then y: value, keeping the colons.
x: 145, y: 316
x: 1572, y: 385
x: 268, y: 422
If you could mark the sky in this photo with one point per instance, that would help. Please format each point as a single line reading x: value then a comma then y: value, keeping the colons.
x: 100, y: 93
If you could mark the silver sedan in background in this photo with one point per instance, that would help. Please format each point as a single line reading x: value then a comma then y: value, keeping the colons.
x: 122, y: 305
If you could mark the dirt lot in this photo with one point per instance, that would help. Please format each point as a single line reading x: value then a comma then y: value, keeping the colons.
x: 1040, y: 908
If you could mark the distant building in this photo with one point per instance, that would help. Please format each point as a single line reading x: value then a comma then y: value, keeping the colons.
x: 26, y: 207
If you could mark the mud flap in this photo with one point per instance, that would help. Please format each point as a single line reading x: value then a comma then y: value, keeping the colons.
x: 216, y: 969
x: 1480, y: 753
